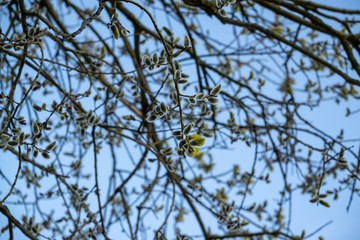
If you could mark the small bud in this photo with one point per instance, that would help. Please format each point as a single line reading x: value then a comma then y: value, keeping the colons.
x: 167, y: 31
x: 35, y: 129
x: 168, y: 151
x: 45, y: 155
x: 81, y: 118
x: 37, y: 29
x: 216, y: 90
x: 13, y: 143
x: 219, y: 3
x: 177, y: 65
x: 183, y: 81
x: 177, y: 75
x: 155, y: 58
x: 176, y: 133
x: 187, y: 129
x: 31, y: 32
x: 115, y: 31
x: 146, y: 60
x: 186, y: 42
x: 96, y: 121
x: 89, y: 114
x: 62, y: 117
x: 124, y: 32
x: 163, y: 107
x: 7, y: 46
x: 324, y: 203
x: 222, y: 12
x: 199, y: 96
x: 180, y: 152
x: 151, y: 118
x: 209, y: 113
x: 207, y: 133
x: 213, y: 100
x: 37, y: 107
x: 182, y: 143
x: 22, y: 137
x: 51, y: 146
x: 192, y: 101
x: 91, y: 119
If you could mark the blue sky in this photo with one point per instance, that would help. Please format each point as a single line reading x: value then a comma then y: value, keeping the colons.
x: 329, y: 117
